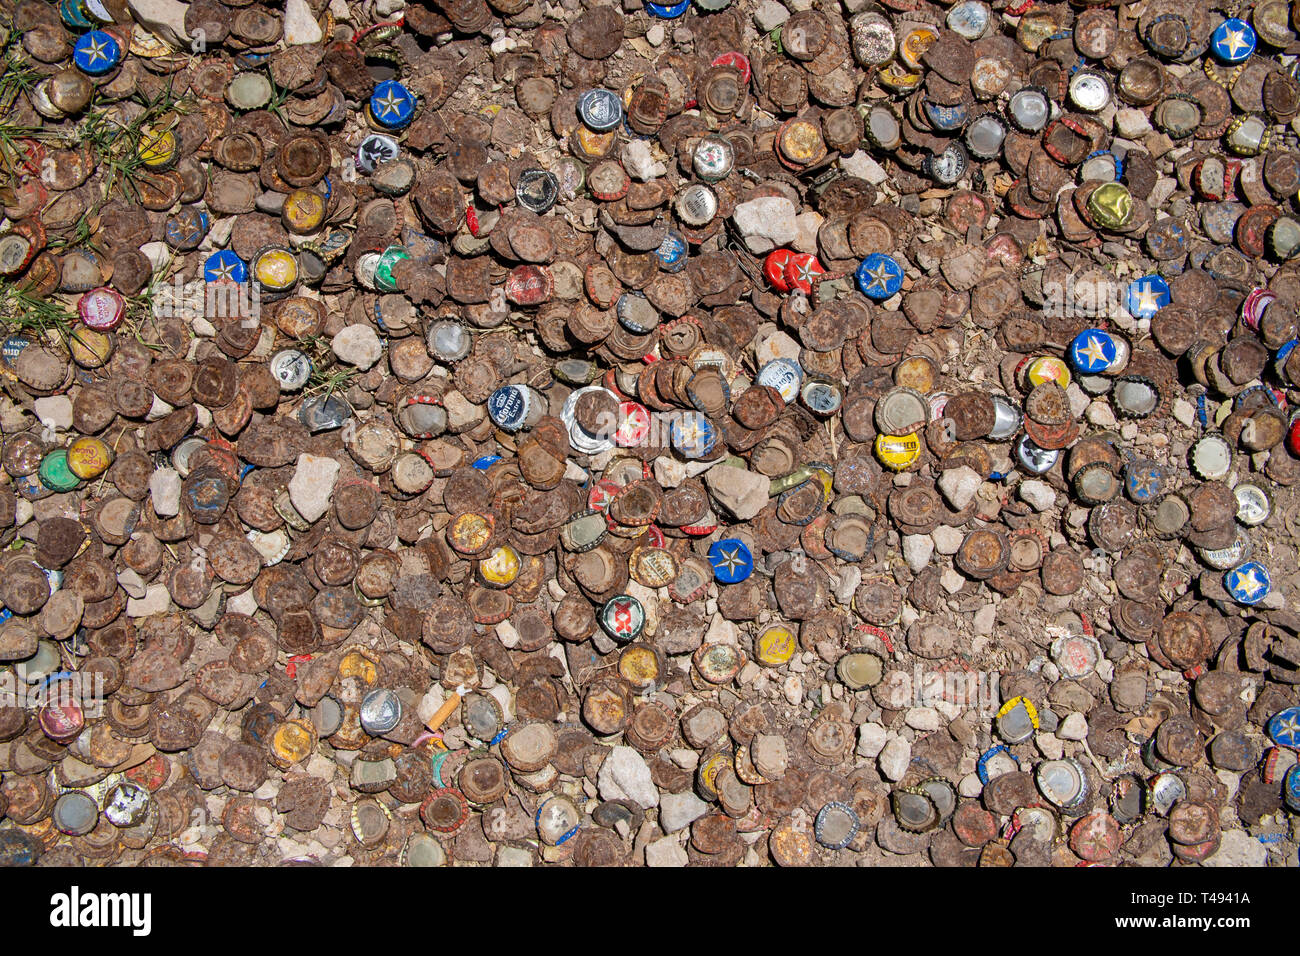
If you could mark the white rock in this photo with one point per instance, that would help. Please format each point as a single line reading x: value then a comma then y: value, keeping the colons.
x: 1184, y: 412
x: 685, y: 758
x: 386, y: 8
x: 312, y: 485
x: 132, y: 583
x: 769, y: 217
x: 984, y: 619
x: 1050, y: 746
x: 679, y: 810
x: 958, y: 486
x: 947, y: 539
x: 861, y: 164
x: 770, y: 15
x: 655, y: 35
x: 1131, y: 123
x: 507, y: 634
x: 1073, y: 727
x: 806, y: 225
x: 165, y: 489
x: 970, y: 785
x: 358, y: 345
x: 741, y: 492
x: 922, y: 718
x: 669, y: 472
x: 513, y: 856
x: 917, y: 549
x: 792, y: 688
x: 300, y: 27
x: 640, y: 162
x: 54, y: 411
x: 894, y: 758
x: 871, y: 740
x: 156, y: 600
x: 774, y: 346
x: 722, y: 631
x: 1039, y: 495
x: 462, y: 414
x: 624, y: 774
x: 1238, y: 848
x: 951, y: 580
x: 665, y: 852
x: 163, y: 18
x: 1101, y: 415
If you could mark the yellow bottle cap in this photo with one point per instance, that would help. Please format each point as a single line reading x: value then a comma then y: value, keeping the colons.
x: 898, y: 452
x: 157, y: 148
x: 639, y: 666
x: 89, y: 458
x: 303, y: 211
x: 1048, y: 368
x: 276, y: 269
x: 293, y: 741
x: 1111, y: 206
x: 775, y: 646
x: 89, y: 348
x: 500, y: 568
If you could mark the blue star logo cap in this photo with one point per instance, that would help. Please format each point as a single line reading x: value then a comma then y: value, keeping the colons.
x: 225, y: 266
x: 1284, y: 728
x: 1233, y: 40
x: 667, y: 12
x: 879, y: 276
x: 692, y: 434
x: 1143, y: 480
x: 731, y: 561
x: 1093, y: 351
x: 1248, y: 583
x: 96, y: 53
x: 392, y: 105
x: 1147, y: 296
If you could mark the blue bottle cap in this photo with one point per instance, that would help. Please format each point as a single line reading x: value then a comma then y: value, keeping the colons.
x: 1248, y: 583
x: 74, y: 15
x: 1093, y: 351
x: 692, y: 435
x: 879, y: 276
x: 1233, y: 40
x: 508, y: 407
x: 731, y: 561
x: 784, y: 375
x: 946, y: 118
x: 1143, y: 480
x: 665, y: 12
x: 484, y: 462
x: 225, y: 266
x: 1284, y: 728
x: 96, y: 53
x: 600, y: 110
x: 672, y: 253
x: 392, y: 105
x: 1291, y: 788
x: 1147, y: 296
x: 186, y: 230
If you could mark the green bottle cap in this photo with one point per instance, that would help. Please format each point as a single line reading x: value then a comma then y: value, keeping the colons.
x: 55, y: 473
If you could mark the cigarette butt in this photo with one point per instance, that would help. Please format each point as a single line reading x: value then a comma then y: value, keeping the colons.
x: 448, y: 707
